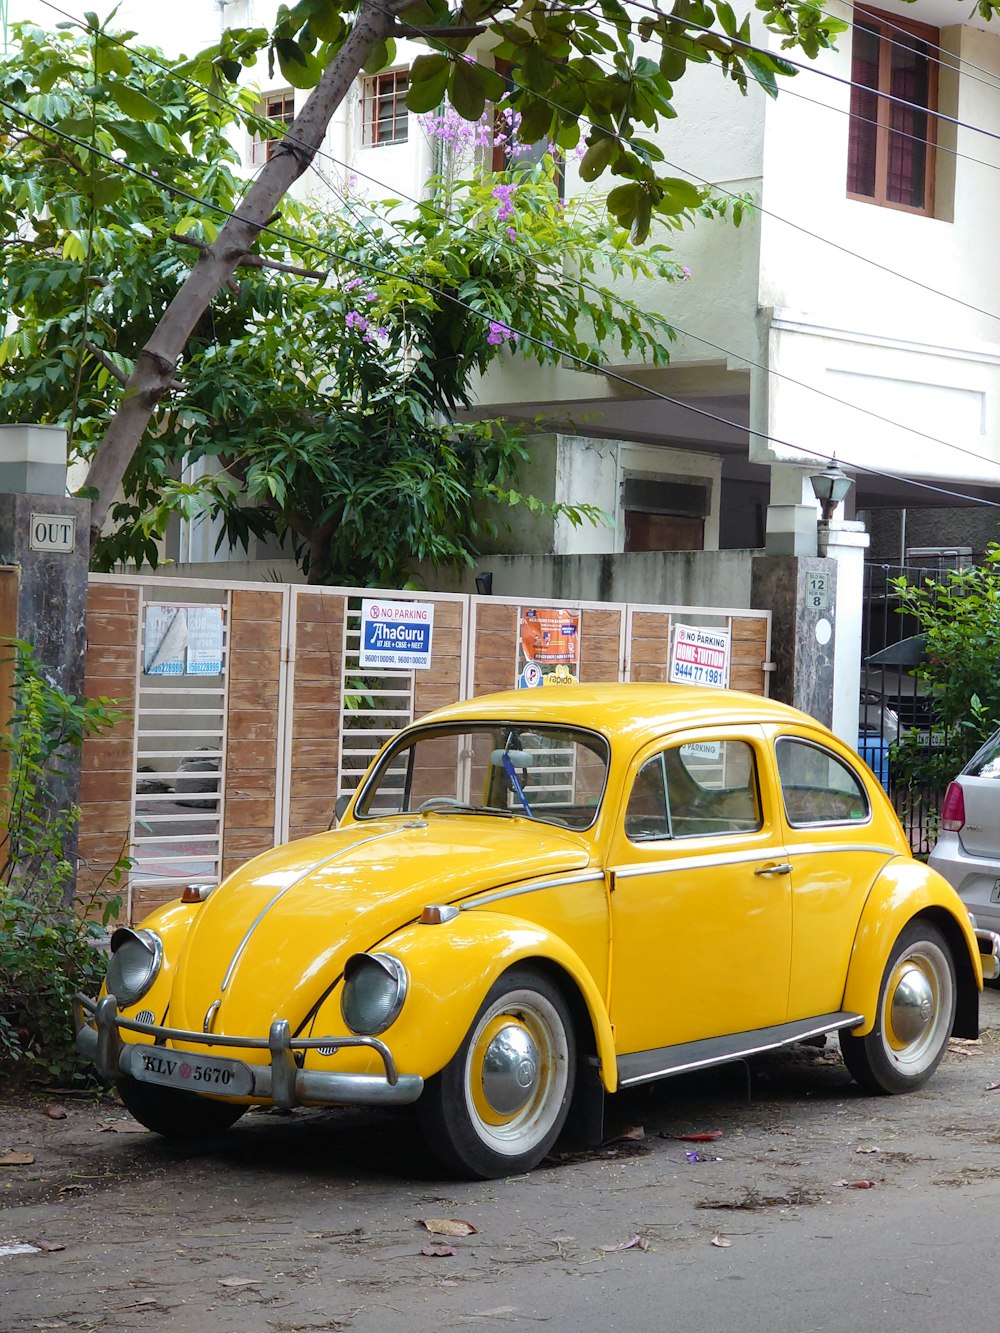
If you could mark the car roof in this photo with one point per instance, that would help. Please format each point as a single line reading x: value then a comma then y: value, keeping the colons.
x: 626, y: 709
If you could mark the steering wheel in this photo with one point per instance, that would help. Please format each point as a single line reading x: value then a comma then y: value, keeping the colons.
x: 442, y: 803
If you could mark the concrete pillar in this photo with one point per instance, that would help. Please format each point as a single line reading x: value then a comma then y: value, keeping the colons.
x: 846, y: 544
x: 45, y: 546
x: 801, y: 594
x: 792, y: 511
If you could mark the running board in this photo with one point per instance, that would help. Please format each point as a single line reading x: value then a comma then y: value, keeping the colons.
x: 645, y: 1066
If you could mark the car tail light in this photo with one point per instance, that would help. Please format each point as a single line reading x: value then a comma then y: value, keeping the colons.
x: 953, y: 810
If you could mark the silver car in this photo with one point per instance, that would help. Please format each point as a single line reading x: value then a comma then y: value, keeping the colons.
x: 967, y: 852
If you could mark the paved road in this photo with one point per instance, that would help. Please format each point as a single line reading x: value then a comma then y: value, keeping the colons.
x: 313, y: 1221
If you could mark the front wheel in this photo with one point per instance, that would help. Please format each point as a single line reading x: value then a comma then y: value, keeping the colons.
x: 498, y: 1106
x: 916, y: 1012
x: 174, y: 1113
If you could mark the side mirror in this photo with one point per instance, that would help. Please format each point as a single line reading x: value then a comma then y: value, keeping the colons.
x: 339, y: 809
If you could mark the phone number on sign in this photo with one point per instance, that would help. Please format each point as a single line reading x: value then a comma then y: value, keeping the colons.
x: 698, y: 675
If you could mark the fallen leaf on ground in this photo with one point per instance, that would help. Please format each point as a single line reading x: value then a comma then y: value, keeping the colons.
x: 12, y: 1158
x: 239, y: 1282
x: 710, y: 1137
x: 635, y: 1242
x: 723, y: 1242
x: 143, y: 1300
x: 857, y: 1184
x: 992, y: 1087
x: 72, y: 1189
x: 51, y: 1246
x: 866, y: 1150
x: 631, y: 1134
x: 55, y: 1113
x: 438, y: 1251
x: 448, y: 1226
x: 128, y: 1126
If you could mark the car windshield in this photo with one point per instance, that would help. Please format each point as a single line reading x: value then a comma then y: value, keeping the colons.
x: 552, y: 774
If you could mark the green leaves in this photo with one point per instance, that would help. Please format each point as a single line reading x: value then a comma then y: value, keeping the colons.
x: 429, y: 77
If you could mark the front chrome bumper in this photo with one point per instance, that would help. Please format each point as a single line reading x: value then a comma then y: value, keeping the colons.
x: 989, y: 953
x: 98, y: 1037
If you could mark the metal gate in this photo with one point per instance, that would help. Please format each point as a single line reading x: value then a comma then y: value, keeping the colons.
x: 248, y: 712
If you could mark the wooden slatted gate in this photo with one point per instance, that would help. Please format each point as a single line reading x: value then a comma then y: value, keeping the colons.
x: 208, y: 768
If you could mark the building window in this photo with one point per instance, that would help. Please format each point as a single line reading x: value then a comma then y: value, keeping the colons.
x: 384, y: 117
x: 279, y: 108
x: 890, y: 157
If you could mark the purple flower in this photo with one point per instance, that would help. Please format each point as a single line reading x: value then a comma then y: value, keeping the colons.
x: 505, y: 211
x: 511, y: 234
x: 499, y: 334
x: 355, y: 320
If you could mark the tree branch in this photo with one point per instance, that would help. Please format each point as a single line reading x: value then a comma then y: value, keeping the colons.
x: 112, y: 369
x: 257, y: 261
x: 156, y: 363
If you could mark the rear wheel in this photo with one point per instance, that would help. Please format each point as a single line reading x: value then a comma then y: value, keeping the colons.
x: 176, y: 1114
x: 916, y: 1013
x: 498, y: 1106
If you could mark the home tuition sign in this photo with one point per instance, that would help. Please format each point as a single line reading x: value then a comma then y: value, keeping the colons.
x: 700, y: 656
x: 396, y: 635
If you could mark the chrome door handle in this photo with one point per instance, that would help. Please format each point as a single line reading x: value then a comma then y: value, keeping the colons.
x: 781, y: 869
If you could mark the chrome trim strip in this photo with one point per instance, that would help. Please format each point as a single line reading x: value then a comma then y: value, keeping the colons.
x: 802, y: 1031
x: 580, y: 877
x: 737, y: 858
x: 318, y: 865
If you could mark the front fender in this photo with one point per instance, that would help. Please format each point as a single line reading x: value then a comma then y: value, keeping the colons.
x: 903, y: 890
x: 451, y: 967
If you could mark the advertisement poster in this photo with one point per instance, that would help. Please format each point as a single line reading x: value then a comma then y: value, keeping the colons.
x: 699, y: 656
x: 550, y: 647
x: 396, y: 636
x: 182, y: 640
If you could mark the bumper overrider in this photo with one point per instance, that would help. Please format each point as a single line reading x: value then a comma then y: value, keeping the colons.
x: 989, y: 953
x: 282, y: 1082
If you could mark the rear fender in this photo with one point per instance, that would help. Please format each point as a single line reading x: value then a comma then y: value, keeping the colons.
x: 450, y: 967
x: 904, y: 890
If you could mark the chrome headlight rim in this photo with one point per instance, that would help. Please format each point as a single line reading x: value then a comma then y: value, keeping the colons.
x: 150, y: 942
x: 390, y: 970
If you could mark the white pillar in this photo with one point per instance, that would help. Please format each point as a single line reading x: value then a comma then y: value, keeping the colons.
x: 846, y: 543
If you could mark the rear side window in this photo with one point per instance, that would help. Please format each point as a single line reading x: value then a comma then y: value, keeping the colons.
x: 695, y: 790
x: 817, y: 787
x: 986, y: 763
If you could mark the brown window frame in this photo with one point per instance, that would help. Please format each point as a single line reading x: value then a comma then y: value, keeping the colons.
x: 890, y: 29
x: 278, y: 107
x: 376, y: 91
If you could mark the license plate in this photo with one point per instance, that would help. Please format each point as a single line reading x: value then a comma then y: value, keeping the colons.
x: 995, y: 894
x: 193, y: 1073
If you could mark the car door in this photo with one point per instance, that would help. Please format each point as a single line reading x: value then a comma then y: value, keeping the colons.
x: 700, y: 900
x: 837, y: 840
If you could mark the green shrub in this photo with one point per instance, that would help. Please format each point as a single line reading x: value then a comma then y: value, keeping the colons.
x: 49, y: 943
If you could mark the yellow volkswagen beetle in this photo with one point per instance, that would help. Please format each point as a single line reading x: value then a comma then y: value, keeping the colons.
x: 534, y: 899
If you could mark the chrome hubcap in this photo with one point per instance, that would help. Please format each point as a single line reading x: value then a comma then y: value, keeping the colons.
x: 912, y: 1005
x: 510, y: 1070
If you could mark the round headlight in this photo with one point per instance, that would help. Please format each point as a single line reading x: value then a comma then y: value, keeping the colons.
x: 374, y: 991
x: 136, y: 956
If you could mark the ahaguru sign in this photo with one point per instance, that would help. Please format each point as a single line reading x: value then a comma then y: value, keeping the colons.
x: 396, y: 635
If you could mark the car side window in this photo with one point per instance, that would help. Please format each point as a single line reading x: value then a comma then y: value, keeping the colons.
x: 817, y: 787
x: 695, y: 790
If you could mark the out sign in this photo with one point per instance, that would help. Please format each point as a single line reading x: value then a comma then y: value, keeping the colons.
x: 52, y: 532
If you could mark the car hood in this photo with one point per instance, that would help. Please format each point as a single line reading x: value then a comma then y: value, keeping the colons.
x: 272, y: 940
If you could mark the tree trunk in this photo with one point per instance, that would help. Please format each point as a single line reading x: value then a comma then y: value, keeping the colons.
x: 156, y: 365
